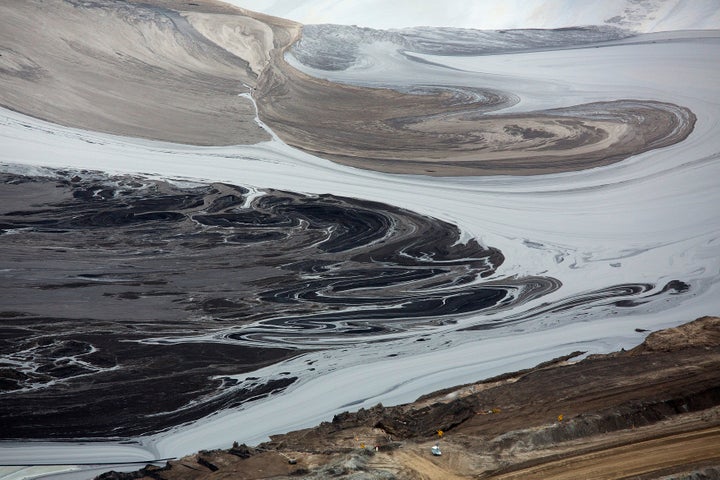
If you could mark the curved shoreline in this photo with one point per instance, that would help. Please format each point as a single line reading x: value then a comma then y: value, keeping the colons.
x: 447, y: 133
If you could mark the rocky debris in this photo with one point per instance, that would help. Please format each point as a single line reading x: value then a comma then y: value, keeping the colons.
x: 242, y: 451
x: 149, y: 471
x: 353, y: 466
x: 629, y: 416
x: 701, y: 333
x: 709, y: 473
x: 207, y: 464
x: 426, y: 421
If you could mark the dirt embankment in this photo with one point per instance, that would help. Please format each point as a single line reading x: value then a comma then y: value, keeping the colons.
x: 650, y: 412
x: 155, y: 69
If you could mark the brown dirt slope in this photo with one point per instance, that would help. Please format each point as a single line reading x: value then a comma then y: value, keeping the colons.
x: 137, y: 68
x: 651, y: 412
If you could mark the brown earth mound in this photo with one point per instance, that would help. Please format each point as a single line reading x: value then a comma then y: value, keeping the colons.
x: 703, y: 332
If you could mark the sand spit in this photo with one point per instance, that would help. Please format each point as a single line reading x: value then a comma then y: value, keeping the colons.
x: 644, y: 413
x: 173, y: 71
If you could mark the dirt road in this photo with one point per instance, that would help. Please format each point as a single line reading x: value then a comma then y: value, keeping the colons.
x: 658, y: 456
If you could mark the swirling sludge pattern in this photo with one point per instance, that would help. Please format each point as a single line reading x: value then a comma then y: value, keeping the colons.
x: 244, y: 277
x: 293, y: 269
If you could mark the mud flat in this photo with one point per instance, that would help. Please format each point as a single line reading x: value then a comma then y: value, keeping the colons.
x: 649, y: 412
